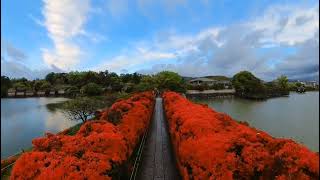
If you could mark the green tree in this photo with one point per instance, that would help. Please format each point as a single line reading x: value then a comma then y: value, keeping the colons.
x: 246, y: 84
x: 5, y: 85
x: 72, y: 91
x: 76, y: 78
x: 125, y: 78
x: 147, y: 82
x: 60, y: 78
x: 91, y: 89
x: 115, y: 82
x: 41, y: 85
x: 299, y: 84
x: 50, y: 77
x: 136, y: 78
x: 167, y: 80
x: 132, y: 78
x: 81, y: 108
x: 19, y: 86
x: 91, y: 76
x: 23, y: 80
x: 282, y: 82
x: 45, y: 86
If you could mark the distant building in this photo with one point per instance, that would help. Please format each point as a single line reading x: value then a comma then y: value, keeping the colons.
x: 61, y: 92
x: 20, y: 93
x: 52, y: 92
x: 226, y: 84
x: 209, y: 82
x: 201, y: 81
x: 311, y: 84
x: 29, y: 93
x: 11, y: 92
x: 41, y: 93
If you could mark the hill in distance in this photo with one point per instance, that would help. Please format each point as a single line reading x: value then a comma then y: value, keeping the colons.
x: 218, y: 78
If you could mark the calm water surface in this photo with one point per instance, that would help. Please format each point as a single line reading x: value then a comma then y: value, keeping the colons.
x: 27, y: 118
x: 296, y: 116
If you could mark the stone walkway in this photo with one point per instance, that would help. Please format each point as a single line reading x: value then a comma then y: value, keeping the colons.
x: 157, y: 161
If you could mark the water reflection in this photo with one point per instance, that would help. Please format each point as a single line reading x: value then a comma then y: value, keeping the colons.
x: 53, y: 121
x: 27, y: 118
x: 295, y: 117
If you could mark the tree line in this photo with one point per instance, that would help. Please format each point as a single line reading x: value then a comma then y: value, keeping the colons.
x: 249, y: 86
x: 90, y: 83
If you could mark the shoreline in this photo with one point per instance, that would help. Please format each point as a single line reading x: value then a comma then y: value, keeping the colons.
x: 204, y: 95
x: 22, y: 97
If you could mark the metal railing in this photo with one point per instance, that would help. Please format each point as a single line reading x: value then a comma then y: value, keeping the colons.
x: 9, y: 165
x: 138, y: 158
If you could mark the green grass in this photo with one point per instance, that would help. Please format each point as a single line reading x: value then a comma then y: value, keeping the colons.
x: 74, y: 129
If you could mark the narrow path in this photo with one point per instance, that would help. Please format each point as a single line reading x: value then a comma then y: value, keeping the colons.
x: 157, y: 157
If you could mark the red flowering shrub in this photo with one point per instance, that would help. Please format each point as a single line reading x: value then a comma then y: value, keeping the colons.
x: 211, y: 145
x: 94, y: 151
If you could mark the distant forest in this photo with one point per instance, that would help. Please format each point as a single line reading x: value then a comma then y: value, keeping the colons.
x: 90, y: 83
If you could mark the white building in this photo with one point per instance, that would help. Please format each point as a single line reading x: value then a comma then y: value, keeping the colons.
x: 209, y: 82
x: 201, y: 81
x: 61, y: 92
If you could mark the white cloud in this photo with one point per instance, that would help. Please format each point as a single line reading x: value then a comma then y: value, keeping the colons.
x: 95, y: 37
x: 304, y: 62
x: 216, y: 50
x: 165, y: 47
x: 11, y: 52
x: 134, y: 58
x: 227, y: 50
x: 36, y: 20
x: 64, y: 55
x: 14, y: 65
x: 287, y: 24
x: 14, y: 69
x: 64, y: 20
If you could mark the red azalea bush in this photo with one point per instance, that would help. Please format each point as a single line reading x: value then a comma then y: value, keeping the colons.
x: 211, y: 145
x: 95, y: 151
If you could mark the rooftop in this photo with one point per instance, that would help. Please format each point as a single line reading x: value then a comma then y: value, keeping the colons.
x: 203, y: 79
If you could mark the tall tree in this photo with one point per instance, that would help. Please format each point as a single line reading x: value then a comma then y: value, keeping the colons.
x: 167, y: 80
x: 81, y: 108
x: 246, y: 83
x: 282, y: 81
x: 5, y: 85
x: 50, y: 77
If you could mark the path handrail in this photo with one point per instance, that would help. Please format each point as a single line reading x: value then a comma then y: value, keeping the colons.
x: 6, y: 167
x: 137, y: 160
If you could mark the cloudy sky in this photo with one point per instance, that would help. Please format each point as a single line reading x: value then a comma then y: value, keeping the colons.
x: 191, y: 37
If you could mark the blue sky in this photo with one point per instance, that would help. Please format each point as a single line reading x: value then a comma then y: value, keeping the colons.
x: 193, y: 38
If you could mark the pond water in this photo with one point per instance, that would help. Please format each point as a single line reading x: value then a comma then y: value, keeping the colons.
x: 23, y: 119
x: 295, y: 117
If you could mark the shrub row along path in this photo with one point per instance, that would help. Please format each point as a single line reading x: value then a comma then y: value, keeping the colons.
x: 157, y: 160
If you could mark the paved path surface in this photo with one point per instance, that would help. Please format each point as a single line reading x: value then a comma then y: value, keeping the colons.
x: 158, y: 161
